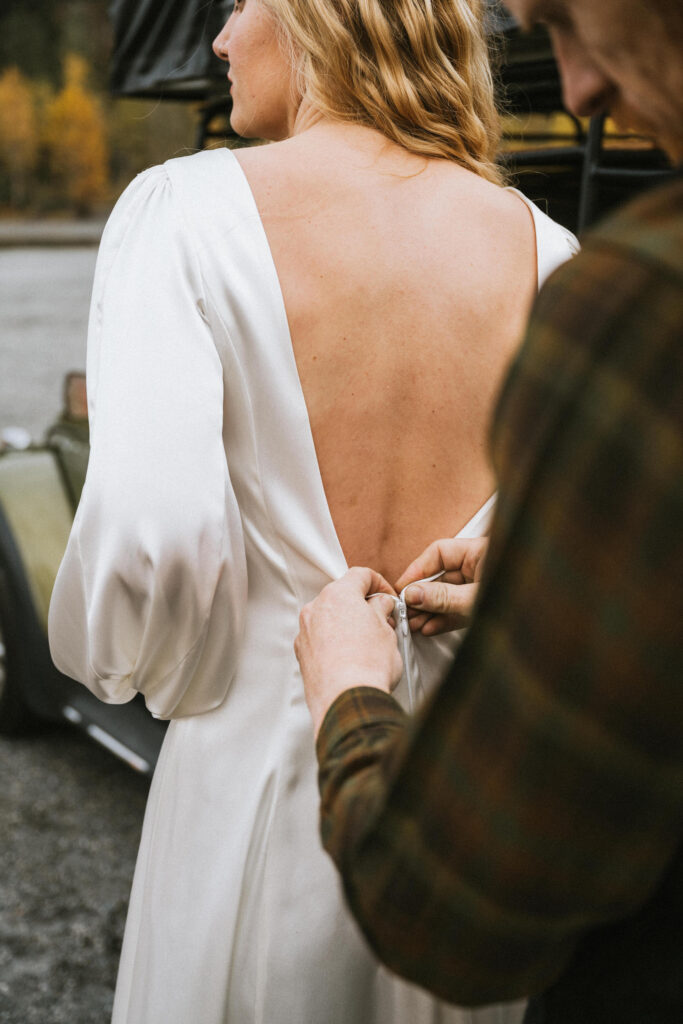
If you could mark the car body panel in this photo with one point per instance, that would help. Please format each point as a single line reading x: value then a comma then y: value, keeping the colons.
x: 39, y: 491
x: 31, y: 548
x: 40, y: 515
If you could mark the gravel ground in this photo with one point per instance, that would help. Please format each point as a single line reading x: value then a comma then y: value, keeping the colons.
x: 70, y: 817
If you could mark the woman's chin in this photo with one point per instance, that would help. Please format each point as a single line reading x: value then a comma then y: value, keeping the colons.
x: 236, y: 123
x: 244, y: 128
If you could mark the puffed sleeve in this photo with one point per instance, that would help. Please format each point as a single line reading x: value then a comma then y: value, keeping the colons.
x: 151, y: 593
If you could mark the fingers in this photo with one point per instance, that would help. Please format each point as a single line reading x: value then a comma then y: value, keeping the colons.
x: 426, y: 564
x: 366, y: 581
x: 438, y: 624
x: 451, y: 602
x: 475, y: 556
x: 384, y: 606
x: 461, y: 557
x: 416, y: 620
x: 439, y: 598
x: 345, y: 640
x: 353, y: 588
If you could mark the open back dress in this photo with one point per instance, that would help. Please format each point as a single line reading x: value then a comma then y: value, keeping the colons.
x: 202, y: 530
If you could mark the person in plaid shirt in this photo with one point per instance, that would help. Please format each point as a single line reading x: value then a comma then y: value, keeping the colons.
x: 523, y: 836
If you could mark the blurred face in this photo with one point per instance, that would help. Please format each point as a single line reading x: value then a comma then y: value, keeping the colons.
x: 262, y: 82
x: 613, y: 56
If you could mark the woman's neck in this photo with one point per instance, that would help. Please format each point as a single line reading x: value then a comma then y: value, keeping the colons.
x: 317, y: 132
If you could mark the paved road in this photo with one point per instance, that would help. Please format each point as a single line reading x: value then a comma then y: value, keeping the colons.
x: 44, y: 301
x: 50, y: 232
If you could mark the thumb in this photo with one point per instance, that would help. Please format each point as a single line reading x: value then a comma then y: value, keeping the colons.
x: 383, y: 605
x: 441, y: 598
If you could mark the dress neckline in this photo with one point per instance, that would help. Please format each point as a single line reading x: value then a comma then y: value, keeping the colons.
x: 553, y: 242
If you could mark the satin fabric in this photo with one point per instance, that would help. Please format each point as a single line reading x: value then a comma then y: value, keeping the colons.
x: 202, y: 530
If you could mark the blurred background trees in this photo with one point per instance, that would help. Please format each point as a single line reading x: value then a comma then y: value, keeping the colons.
x: 67, y: 147
x: 19, y: 135
x: 75, y: 140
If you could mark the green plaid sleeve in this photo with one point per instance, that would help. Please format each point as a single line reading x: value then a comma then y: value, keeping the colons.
x: 361, y: 725
x: 540, y: 795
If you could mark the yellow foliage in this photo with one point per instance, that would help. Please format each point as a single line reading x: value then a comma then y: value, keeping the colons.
x: 75, y: 138
x: 18, y: 131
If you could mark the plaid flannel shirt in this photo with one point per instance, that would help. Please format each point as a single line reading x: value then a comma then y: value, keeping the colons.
x: 521, y: 836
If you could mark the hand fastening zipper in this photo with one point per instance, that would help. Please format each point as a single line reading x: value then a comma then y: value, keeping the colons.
x: 405, y: 645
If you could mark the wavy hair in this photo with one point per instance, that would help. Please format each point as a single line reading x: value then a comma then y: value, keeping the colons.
x: 418, y: 71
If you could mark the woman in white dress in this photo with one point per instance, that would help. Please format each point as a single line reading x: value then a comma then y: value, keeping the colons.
x: 292, y: 356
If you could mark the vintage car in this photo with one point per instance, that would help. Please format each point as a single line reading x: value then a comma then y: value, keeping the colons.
x: 577, y: 171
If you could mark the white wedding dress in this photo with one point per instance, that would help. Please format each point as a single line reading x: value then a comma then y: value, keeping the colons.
x: 202, y: 530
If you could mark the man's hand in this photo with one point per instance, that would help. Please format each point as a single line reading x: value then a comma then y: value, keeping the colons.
x: 346, y: 640
x: 447, y: 603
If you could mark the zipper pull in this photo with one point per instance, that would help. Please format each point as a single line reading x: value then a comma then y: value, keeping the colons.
x: 403, y: 616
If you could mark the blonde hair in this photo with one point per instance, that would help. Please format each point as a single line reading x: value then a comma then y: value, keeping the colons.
x: 416, y: 70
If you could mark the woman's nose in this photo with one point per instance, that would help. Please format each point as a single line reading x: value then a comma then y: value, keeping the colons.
x: 220, y: 43
x: 586, y: 90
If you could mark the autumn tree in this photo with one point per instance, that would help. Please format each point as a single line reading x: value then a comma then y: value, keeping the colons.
x: 75, y: 138
x: 18, y: 134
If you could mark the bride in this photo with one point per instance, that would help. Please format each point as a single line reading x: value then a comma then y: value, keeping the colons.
x: 292, y: 355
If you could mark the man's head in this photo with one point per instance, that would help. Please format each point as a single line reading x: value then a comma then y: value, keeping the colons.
x: 621, y: 56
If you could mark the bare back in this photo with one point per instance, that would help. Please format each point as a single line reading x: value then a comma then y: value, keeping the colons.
x: 407, y: 283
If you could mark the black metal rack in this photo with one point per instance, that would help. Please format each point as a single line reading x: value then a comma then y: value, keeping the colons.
x: 619, y: 171
x: 579, y: 175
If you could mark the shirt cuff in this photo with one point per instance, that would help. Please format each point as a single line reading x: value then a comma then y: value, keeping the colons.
x: 359, y: 708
